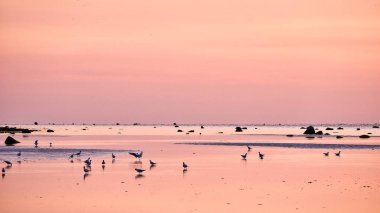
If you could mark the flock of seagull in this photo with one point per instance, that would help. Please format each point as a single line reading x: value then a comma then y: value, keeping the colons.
x: 138, y: 155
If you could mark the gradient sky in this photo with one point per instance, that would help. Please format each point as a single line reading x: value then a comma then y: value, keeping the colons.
x: 205, y: 61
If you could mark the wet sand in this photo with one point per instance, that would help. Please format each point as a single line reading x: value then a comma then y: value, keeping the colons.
x: 217, y: 180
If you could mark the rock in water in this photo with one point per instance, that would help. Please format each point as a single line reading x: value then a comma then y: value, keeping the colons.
x: 238, y: 129
x: 364, y: 136
x: 319, y: 133
x: 329, y: 128
x: 309, y: 130
x: 375, y: 127
x: 10, y: 141
x: 50, y: 130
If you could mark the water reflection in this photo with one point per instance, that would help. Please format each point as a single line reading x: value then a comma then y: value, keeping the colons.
x: 139, y: 176
x: 85, y: 176
x: 152, y: 166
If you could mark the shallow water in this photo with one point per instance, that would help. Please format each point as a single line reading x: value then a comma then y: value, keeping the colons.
x: 286, y: 180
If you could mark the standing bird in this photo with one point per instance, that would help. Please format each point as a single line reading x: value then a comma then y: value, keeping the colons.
x: 136, y: 154
x: 113, y: 156
x: 244, y: 156
x: 86, y: 170
x: 78, y: 154
x: 36, y: 143
x: 88, y: 162
x: 71, y: 156
x: 8, y: 162
x: 19, y: 154
x: 326, y: 153
x: 152, y: 163
x: 261, y: 156
x: 103, y: 163
x: 51, y: 144
x: 249, y: 148
x: 184, y: 165
x: 337, y: 154
x: 139, y: 170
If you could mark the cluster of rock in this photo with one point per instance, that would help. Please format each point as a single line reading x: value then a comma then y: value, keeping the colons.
x: 12, y: 130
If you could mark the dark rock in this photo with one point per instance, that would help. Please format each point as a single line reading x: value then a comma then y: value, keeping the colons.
x: 340, y: 128
x: 327, y: 133
x: 290, y: 135
x: 10, y: 141
x: 25, y: 131
x: 176, y: 126
x: 319, y: 133
x: 117, y: 124
x: 364, y: 136
x: 329, y: 128
x: 303, y: 127
x: 11, y: 130
x: 244, y: 128
x: 238, y: 129
x: 49, y: 130
x: 375, y: 126
x: 339, y: 137
x: 35, y: 123
x: 358, y: 129
x: 369, y: 133
x: 179, y: 130
x: 310, y: 137
x: 202, y: 127
x: 309, y: 130
x: 191, y: 131
x: 220, y: 132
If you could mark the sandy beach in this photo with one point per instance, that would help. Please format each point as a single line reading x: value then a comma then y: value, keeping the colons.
x: 297, y: 179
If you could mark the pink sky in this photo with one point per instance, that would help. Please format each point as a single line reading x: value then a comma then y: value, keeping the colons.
x: 206, y: 61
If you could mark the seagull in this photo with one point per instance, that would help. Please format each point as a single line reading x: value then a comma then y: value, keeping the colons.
x: 71, y: 156
x: 36, y: 142
x: 80, y: 152
x: 19, y: 154
x: 139, y: 170
x: 103, y: 162
x: 184, y: 165
x: 152, y: 163
x: 244, y: 156
x: 88, y: 162
x: 249, y: 148
x: 326, y: 153
x: 136, y: 154
x: 337, y: 154
x: 113, y: 156
x: 261, y: 156
x: 86, y: 170
x: 8, y: 162
x: 51, y: 144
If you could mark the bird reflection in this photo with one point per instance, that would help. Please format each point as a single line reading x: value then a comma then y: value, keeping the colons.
x: 85, y: 176
x: 113, y: 160
x: 139, y: 176
x: 19, y: 162
x: 137, y: 162
x: 184, y: 171
x: 2, y: 176
x: 152, y: 166
x: 103, y: 166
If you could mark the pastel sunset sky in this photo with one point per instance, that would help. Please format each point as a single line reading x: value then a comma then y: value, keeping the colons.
x: 206, y: 61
